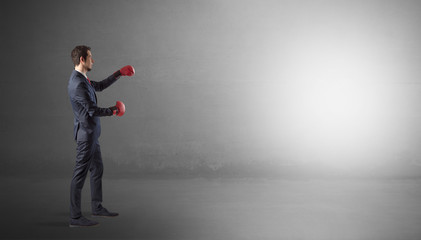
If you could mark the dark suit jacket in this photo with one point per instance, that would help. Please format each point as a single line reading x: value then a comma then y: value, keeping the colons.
x: 82, y: 95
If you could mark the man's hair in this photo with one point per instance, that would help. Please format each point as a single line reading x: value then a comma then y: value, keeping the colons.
x: 79, y: 51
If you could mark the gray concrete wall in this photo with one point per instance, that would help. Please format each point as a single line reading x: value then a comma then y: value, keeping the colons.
x: 216, y: 84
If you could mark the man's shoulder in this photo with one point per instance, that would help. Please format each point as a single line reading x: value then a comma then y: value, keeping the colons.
x: 76, y: 79
x: 77, y: 82
x: 77, y: 76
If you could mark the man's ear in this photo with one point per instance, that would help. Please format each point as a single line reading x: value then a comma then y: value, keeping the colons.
x: 81, y: 59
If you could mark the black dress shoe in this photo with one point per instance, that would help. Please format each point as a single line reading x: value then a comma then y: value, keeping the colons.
x: 104, y: 213
x: 82, y: 222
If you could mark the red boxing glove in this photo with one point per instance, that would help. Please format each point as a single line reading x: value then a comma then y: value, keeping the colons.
x: 127, y: 71
x: 121, y: 109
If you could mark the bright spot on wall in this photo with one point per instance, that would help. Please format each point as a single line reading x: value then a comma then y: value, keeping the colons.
x: 331, y: 106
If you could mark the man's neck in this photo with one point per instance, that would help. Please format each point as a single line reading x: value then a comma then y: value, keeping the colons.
x: 81, y: 70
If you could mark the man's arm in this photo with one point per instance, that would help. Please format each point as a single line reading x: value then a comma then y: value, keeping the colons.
x: 124, y: 71
x: 99, y: 86
x: 82, y: 98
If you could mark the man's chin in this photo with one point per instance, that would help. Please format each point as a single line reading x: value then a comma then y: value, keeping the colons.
x: 89, y: 69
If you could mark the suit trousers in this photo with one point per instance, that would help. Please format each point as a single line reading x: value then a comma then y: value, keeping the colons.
x: 88, y: 157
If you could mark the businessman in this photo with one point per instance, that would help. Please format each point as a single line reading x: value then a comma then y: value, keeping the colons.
x: 87, y: 130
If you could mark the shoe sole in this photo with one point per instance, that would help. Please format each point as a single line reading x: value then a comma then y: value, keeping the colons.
x: 82, y: 226
x: 98, y: 216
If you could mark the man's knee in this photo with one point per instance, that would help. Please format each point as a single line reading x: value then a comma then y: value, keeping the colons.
x: 97, y: 169
x: 78, y: 180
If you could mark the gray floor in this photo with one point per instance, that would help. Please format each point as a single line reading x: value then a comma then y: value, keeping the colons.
x: 37, y: 208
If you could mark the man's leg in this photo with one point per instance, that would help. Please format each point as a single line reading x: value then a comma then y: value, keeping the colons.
x: 83, y: 161
x: 96, y: 169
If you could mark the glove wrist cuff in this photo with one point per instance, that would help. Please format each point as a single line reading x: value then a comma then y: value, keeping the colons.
x: 117, y: 74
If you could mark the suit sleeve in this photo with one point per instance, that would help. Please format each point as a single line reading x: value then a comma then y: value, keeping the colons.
x: 99, y: 86
x: 82, y: 98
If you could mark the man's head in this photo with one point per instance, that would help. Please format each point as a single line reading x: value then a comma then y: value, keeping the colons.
x: 82, y: 58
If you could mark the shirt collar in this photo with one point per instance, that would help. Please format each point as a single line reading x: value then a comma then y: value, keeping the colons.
x: 82, y: 74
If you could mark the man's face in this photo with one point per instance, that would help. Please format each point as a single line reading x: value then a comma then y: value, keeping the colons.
x: 89, y: 62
